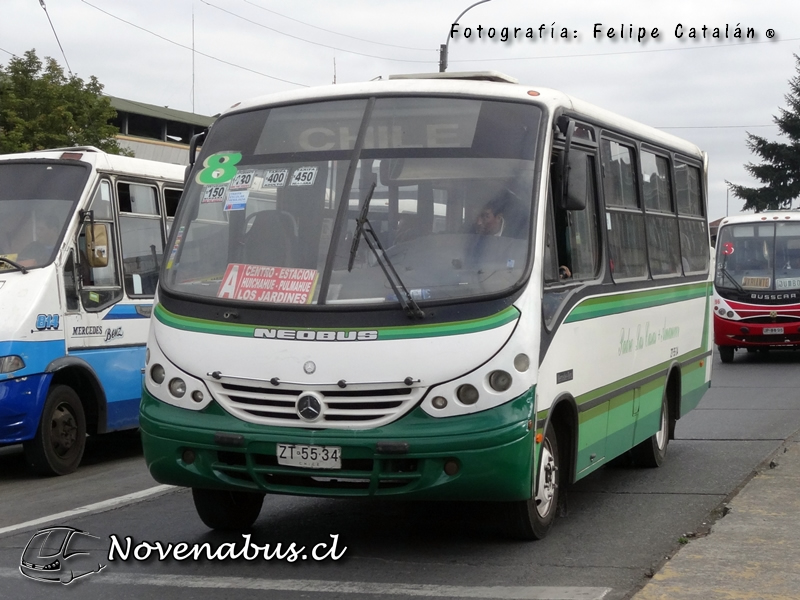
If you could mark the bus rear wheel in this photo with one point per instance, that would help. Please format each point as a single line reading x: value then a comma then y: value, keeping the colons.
x: 225, y: 510
x: 57, y: 447
x: 652, y: 452
x: 726, y: 353
x: 532, y: 519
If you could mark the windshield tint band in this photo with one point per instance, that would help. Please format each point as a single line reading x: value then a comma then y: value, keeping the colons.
x: 381, y: 333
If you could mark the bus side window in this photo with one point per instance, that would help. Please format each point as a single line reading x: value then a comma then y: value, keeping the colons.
x: 141, y: 237
x: 624, y: 218
x: 71, y: 283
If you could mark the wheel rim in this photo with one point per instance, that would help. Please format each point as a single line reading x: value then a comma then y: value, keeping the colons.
x: 63, y: 430
x: 661, y: 434
x: 546, y: 488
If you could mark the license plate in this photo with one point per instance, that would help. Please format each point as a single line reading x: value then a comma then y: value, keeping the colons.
x: 773, y: 330
x: 309, y: 457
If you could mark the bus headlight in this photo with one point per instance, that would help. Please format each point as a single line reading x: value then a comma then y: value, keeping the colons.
x: 157, y: 374
x: 467, y: 394
x: 177, y: 387
x: 499, y: 380
x: 169, y: 384
x: 9, y: 364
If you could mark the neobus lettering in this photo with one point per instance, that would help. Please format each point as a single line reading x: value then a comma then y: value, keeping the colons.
x: 318, y: 336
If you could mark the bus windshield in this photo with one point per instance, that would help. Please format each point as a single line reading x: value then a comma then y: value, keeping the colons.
x: 759, y: 256
x: 271, y: 213
x: 36, y: 201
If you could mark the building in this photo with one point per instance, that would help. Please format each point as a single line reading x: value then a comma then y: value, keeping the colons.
x: 156, y: 132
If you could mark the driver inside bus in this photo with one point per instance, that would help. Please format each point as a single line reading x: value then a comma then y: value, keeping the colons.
x: 792, y: 259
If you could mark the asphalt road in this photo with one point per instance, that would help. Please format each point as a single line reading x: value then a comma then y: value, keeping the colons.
x: 620, y: 525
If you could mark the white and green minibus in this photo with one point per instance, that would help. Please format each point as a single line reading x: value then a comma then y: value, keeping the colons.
x: 438, y: 287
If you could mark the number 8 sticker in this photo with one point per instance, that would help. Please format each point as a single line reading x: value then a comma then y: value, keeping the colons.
x: 219, y: 168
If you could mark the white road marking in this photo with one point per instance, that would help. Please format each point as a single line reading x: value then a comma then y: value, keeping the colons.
x: 92, y: 508
x: 346, y: 587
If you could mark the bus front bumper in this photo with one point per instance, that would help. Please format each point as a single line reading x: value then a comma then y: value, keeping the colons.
x: 484, y: 456
x: 21, y: 402
x: 745, y: 334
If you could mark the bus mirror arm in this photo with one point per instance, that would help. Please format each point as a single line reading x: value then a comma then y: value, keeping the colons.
x: 572, y: 170
x: 194, y: 142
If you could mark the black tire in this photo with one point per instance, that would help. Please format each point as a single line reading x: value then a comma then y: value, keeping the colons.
x: 60, y: 440
x: 652, y: 452
x: 226, y: 510
x: 726, y: 353
x: 532, y: 519
x: 751, y: 350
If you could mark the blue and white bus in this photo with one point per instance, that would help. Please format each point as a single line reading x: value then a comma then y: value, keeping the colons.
x: 81, y: 242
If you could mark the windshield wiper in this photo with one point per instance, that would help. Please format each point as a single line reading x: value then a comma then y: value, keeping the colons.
x: 727, y: 274
x: 364, y: 228
x: 15, y: 264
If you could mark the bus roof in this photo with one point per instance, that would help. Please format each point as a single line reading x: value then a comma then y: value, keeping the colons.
x: 771, y: 216
x: 487, y: 84
x: 103, y: 161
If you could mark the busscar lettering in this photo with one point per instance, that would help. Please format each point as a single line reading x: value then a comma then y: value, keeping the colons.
x: 309, y: 335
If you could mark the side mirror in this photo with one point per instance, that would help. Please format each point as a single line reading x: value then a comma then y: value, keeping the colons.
x: 97, y: 244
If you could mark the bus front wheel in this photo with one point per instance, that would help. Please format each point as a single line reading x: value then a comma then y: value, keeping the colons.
x: 57, y: 447
x: 225, y: 510
x: 532, y: 519
x: 726, y: 353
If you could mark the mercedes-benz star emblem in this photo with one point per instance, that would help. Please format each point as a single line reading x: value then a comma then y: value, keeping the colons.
x: 309, y: 367
x: 309, y: 407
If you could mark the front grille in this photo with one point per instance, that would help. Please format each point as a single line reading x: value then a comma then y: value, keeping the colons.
x: 267, y: 404
x: 769, y: 320
x: 363, y: 476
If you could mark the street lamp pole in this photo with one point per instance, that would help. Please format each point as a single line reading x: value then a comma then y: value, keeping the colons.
x: 443, y: 49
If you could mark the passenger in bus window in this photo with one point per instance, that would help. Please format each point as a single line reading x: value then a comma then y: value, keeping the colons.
x: 490, y: 220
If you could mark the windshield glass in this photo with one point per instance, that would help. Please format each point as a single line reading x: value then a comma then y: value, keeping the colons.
x: 759, y: 256
x: 36, y: 201
x: 270, y: 217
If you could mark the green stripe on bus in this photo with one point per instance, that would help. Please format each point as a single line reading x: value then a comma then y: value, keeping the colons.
x: 385, y: 333
x: 620, y: 303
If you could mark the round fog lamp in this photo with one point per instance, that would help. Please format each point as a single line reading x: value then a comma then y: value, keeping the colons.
x: 439, y: 402
x: 467, y: 394
x: 499, y: 380
x: 522, y: 363
x: 197, y: 396
x: 177, y: 387
x: 157, y: 374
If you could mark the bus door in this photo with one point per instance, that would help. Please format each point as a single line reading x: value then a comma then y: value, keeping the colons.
x: 572, y: 269
x: 116, y: 262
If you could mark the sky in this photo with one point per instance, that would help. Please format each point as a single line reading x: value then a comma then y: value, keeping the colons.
x: 205, y: 55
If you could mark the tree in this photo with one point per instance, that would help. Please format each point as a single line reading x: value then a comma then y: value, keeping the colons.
x: 41, y: 108
x: 780, y: 167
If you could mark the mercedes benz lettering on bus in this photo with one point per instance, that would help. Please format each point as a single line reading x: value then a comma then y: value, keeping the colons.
x: 757, y: 283
x: 430, y: 287
x: 81, y: 243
